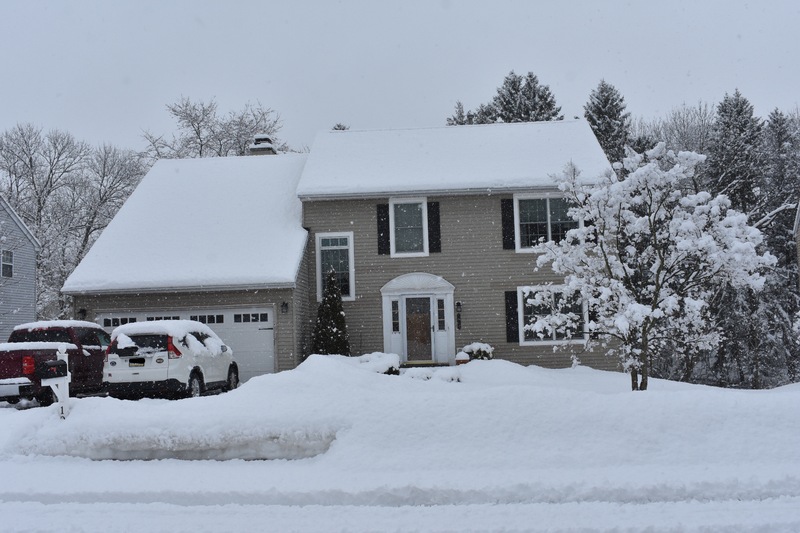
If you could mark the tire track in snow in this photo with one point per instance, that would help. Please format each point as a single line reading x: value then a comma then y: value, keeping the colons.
x: 400, y: 496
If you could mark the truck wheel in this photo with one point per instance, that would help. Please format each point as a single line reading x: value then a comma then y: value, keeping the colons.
x: 46, y: 398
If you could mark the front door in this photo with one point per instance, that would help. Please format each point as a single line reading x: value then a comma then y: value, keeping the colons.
x: 418, y: 329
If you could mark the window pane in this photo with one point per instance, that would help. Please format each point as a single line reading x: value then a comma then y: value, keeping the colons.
x: 440, y: 315
x: 338, y: 260
x: 573, y: 307
x: 532, y: 221
x: 8, y: 271
x: 560, y: 222
x: 532, y: 313
x: 408, y: 230
x: 395, y: 316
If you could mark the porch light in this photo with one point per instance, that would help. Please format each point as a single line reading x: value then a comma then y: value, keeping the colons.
x: 284, y: 307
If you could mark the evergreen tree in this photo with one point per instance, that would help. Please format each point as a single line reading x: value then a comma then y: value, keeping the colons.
x: 518, y: 99
x: 459, y: 117
x: 330, y: 331
x: 735, y: 162
x: 759, y: 167
x: 609, y: 120
x: 523, y: 99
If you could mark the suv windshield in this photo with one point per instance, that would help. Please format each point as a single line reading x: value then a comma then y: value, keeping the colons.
x: 40, y: 335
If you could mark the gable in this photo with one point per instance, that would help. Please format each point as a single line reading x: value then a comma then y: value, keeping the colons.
x: 23, y: 228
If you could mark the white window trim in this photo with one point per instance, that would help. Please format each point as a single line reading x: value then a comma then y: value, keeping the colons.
x: 351, y: 259
x: 550, y: 342
x: 533, y: 196
x: 4, y: 262
x: 392, y: 240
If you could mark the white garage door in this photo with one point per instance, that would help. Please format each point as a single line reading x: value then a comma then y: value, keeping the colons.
x: 249, y: 331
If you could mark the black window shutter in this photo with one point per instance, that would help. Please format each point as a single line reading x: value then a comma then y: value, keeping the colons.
x: 434, y: 230
x: 384, y: 247
x: 512, y: 319
x: 507, y: 221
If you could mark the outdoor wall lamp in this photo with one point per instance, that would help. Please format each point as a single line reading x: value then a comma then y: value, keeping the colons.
x: 284, y: 307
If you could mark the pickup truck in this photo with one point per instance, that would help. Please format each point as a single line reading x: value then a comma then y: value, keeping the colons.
x: 30, y: 345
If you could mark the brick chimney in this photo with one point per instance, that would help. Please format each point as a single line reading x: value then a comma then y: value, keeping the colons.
x: 262, y: 145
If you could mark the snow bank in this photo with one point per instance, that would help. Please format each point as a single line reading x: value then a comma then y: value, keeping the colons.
x: 484, y: 446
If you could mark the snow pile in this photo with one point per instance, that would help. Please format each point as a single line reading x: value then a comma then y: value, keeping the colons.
x: 382, y: 363
x: 484, y: 446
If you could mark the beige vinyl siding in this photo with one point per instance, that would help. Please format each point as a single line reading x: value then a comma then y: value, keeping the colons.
x: 287, y: 349
x: 303, y: 311
x: 472, y: 259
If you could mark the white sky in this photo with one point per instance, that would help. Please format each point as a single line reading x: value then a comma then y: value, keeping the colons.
x: 105, y: 70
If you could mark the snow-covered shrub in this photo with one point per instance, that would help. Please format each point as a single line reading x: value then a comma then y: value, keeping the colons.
x: 478, y: 350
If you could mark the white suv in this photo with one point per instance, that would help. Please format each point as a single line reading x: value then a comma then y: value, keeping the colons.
x: 168, y: 358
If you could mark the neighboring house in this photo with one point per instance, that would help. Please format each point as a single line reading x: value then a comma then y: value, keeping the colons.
x: 217, y: 240
x: 18, y: 251
x: 428, y: 230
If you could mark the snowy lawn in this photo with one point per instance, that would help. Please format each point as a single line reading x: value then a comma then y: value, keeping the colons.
x: 486, y: 446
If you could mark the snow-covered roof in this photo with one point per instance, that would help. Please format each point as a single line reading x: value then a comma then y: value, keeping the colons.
x: 202, y: 224
x: 453, y: 159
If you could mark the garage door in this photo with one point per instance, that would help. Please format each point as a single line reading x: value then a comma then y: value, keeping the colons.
x: 249, y: 331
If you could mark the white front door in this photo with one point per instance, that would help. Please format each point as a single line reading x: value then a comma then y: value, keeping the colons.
x: 418, y: 318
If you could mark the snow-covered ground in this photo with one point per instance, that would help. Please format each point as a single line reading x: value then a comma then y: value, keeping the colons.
x: 487, y: 446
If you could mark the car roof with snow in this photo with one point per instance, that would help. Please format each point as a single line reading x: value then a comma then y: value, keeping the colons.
x: 173, y: 328
x: 44, y: 324
x: 453, y: 159
x: 215, y: 223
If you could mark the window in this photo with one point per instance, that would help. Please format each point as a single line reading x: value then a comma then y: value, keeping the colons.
x: 395, y: 316
x: 335, y: 252
x: 538, y: 219
x: 8, y: 264
x: 440, y: 319
x: 117, y: 321
x: 528, y: 314
x: 408, y: 226
x: 208, y: 319
x: 251, y: 317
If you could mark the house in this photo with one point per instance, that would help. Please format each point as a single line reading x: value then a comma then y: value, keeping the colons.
x: 431, y: 230
x: 216, y: 240
x: 18, y: 251
x: 428, y: 230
